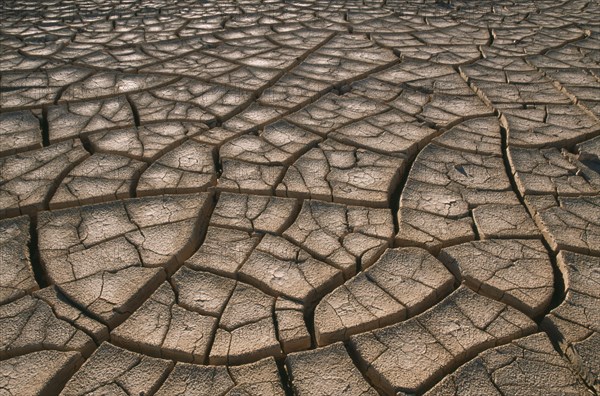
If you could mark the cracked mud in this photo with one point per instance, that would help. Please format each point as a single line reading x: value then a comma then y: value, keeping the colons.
x: 394, y: 197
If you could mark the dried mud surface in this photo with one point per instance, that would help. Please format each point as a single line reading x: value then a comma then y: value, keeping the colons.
x: 299, y: 198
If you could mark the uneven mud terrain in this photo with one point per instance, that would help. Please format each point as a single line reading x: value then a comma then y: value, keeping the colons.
x: 299, y: 198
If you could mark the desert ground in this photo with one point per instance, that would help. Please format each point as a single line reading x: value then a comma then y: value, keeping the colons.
x: 299, y: 197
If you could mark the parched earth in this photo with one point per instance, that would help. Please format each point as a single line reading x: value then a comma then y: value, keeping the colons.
x: 308, y: 198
